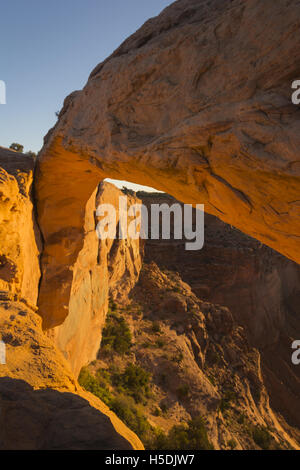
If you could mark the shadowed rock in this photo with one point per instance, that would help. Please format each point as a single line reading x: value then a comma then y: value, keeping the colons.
x: 48, y: 419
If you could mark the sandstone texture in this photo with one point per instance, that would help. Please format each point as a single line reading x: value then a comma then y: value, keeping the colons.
x: 196, y: 103
x: 103, y: 268
x: 41, y: 404
x: 19, y: 237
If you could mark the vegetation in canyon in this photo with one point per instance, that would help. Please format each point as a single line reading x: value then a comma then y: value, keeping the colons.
x: 148, y: 378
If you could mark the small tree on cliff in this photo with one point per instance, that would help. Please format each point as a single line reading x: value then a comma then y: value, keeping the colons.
x: 17, y: 147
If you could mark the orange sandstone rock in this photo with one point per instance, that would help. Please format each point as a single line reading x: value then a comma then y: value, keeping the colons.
x: 42, y: 405
x: 196, y: 103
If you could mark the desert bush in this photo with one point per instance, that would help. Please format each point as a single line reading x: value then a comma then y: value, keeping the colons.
x: 229, y: 396
x: 164, y: 407
x: 134, y: 382
x: 112, y: 305
x: 103, y: 377
x: 91, y: 384
x: 126, y: 409
x: 176, y: 289
x: 178, y: 358
x: 160, y: 343
x: 116, y: 335
x: 192, y: 436
x: 262, y: 437
x: 156, y: 327
x: 17, y: 147
x: 232, y: 444
x: 183, y: 391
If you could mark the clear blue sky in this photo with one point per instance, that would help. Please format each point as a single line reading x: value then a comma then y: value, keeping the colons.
x: 48, y: 49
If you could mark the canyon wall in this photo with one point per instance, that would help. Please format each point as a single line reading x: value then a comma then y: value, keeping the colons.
x: 177, y: 309
x: 20, y: 242
x: 259, y: 286
x: 42, y: 405
x: 200, y: 359
x: 196, y: 103
x: 103, y: 268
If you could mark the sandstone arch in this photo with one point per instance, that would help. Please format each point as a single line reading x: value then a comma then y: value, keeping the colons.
x: 196, y: 103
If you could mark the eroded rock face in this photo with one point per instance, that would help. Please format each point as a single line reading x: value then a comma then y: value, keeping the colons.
x: 20, y: 243
x: 42, y: 406
x: 199, y: 358
x: 259, y: 286
x: 103, y: 268
x: 196, y: 103
x: 235, y: 270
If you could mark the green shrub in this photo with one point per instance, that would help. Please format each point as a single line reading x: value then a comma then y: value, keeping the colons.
x: 229, y: 396
x: 183, y: 391
x: 232, y: 444
x: 103, y: 377
x: 164, y: 407
x: 132, y: 416
x: 178, y: 358
x: 134, y: 381
x: 123, y: 405
x: 91, y: 384
x: 160, y: 343
x: 156, y: 327
x: 262, y: 437
x: 116, y: 335
x: 192, y: 436
x: 159, y: 440
x: 112, y: 305
x: 17, y: 147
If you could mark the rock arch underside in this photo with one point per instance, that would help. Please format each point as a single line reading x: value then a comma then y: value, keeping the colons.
x: 196, y: 103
